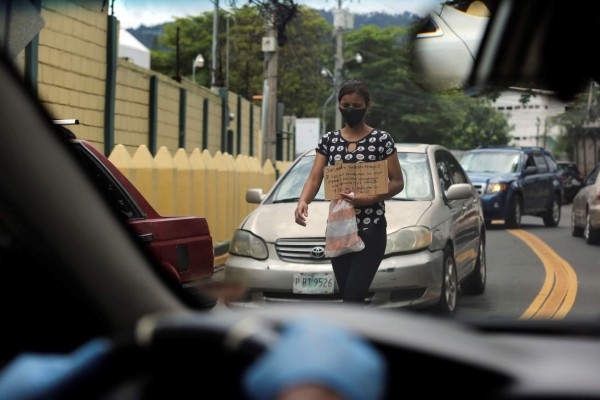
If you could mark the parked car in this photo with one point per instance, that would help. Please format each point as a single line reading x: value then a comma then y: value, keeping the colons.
x: 571, y: 179
x: 515, y: 181
x: 182, y: 245
x: 585, y: 211
x: 436, y: 238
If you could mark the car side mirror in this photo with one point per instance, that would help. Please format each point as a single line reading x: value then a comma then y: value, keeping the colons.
x: 255, y: 196
x: 459, y: 191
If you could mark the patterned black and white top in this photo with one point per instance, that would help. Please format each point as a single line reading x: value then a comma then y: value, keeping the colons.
x: 376, y: 146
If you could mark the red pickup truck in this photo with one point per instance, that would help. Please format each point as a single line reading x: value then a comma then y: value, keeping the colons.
x: 181, y: 244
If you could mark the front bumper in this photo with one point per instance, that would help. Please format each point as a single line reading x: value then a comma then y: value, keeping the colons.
x: 495, y: 206
x: 408, y: 280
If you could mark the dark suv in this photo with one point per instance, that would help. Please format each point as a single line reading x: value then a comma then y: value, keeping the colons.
x: 515, y: 181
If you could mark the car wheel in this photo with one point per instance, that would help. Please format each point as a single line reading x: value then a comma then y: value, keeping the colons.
x: 475, y: 283
x: 447, y: 303
x: 514, y: 213
x: 552, y: 217
x: 576, y: 231
x: 591, y: 235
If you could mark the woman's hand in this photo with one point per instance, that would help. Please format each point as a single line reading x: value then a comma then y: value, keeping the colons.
x: 359, y: 199
x: 301, y: 213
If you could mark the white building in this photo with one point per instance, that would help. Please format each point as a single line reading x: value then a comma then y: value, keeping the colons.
x: 133, y: 50
x: 530, y: 120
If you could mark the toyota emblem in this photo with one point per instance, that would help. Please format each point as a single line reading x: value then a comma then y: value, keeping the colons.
x: 317, y: 252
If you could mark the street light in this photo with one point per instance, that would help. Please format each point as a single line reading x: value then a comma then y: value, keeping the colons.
x: 326, y: 72
x: 198, y: 63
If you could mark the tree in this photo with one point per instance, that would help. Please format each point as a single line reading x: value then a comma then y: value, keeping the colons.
x: 407, y: 110
x: 401, y: 104
x: 308, y: 47
x: 301, y: 88
x: 583, y: 109
x: 195, y: 36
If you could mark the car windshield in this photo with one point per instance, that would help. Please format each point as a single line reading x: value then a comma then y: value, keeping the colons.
x: 415, y: 171
x: 290, y: 188
x: 418, y: 184
x: 500, y: 162
x: 199, y: 120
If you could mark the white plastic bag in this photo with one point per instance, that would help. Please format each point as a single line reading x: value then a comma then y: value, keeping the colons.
x: 341, y: 234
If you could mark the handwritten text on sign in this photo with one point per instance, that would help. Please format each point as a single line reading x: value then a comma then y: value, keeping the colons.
x: 369, y: 178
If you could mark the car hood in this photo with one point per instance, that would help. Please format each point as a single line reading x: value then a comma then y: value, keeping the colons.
x: 491, y: 177
x: 275, y: 221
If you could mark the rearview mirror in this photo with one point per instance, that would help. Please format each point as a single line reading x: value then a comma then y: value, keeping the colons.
x: 447, y: 44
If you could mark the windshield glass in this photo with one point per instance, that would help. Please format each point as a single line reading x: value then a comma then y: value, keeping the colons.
x: 191, y: 111
x: 417, y: 177
x: 156, y: 162
x: 290, y: 188
x: 502, y: 162
x: 415, y: 171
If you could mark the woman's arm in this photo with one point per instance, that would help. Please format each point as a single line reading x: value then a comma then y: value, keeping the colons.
x: 396, y: 184
x: 311, y: 187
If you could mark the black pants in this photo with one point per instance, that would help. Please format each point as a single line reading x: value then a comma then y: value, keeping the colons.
x: 354, y: 272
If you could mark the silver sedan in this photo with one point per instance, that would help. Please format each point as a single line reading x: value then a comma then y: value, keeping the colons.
x: 585, y: 212
x: 435, y: 239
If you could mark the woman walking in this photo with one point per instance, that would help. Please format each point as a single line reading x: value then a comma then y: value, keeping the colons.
x: 356, y: 142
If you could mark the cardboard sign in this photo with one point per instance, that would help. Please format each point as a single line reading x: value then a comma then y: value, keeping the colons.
x: 368, y: 177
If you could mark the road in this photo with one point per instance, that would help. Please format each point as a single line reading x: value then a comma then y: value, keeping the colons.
x: 537, y: 272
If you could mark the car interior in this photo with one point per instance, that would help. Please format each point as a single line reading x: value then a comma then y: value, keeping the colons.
x: 71, y: 271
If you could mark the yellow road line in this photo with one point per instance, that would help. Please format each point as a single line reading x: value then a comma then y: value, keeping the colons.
x: 557, y: 295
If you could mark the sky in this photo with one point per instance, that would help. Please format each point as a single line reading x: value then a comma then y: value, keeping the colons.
x: 133, y: 13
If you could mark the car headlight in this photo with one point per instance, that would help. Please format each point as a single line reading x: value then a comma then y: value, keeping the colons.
x: 495, y: 187
x: 408, y: 239
x: 247, y: 244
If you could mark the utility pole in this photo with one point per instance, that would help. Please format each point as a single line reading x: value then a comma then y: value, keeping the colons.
x: 338, y: 26
x: 215, y: 45
x: 269, y: 47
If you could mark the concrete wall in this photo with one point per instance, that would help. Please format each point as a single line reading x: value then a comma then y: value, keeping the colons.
x: 198, y: 179
x: 71, y: 84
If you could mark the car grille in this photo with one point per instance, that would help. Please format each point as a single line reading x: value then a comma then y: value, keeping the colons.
x: 309, y: 250
x: 480, y: 187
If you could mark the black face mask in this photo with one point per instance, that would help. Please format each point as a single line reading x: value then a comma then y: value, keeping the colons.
x: 352, y: 115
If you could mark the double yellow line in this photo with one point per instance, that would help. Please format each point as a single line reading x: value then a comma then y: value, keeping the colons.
x: 555, y: 299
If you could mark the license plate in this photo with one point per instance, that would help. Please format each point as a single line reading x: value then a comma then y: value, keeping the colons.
x: 314, y: 283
